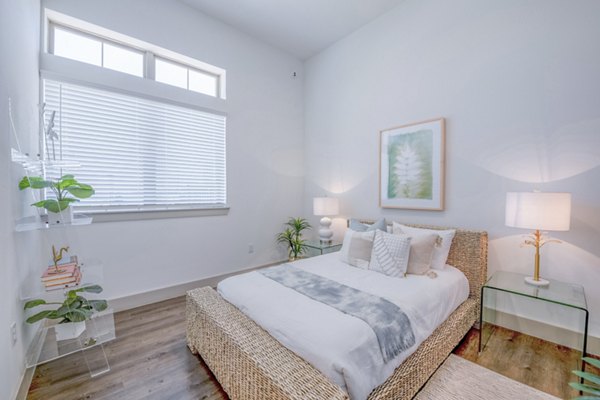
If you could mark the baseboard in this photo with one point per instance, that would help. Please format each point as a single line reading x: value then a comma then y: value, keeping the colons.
x: 169, y: 292
x: 550, y: 333
x: 25, y: 383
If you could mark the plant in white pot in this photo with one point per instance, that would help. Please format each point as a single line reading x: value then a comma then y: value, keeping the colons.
x: 73, y: 312
x: 58, y: 207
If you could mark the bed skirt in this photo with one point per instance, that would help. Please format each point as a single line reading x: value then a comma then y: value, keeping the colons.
x: 251, y: 365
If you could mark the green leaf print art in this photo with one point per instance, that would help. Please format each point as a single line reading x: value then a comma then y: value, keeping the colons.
x: 412, y: 166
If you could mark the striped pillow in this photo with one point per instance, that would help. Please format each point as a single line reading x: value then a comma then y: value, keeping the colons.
x: 390, y: 254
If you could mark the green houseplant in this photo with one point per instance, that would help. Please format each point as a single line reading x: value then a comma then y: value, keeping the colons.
x: 292, y: 236
x: 72, y: 312
x: 592, y: 386
x: 62, y: 188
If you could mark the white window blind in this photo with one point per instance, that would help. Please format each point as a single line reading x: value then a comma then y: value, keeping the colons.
x: 136, y: 153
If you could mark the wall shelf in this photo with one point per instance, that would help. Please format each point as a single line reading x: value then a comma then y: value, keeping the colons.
x: 92, y: 273
x: 38, y: 166
x: 36, y: 222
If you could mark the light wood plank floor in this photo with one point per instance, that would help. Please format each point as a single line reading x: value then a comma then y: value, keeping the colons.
x: 150, y: 360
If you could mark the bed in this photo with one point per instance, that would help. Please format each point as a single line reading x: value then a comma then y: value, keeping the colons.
x: 250, y: 364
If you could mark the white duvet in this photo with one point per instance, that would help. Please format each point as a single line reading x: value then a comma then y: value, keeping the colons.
x: 344, y: 348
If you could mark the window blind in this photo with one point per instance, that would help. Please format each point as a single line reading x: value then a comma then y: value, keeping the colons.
x: 138, y: 154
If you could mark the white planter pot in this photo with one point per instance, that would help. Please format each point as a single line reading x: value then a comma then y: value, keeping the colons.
x: 63, y: 217
x: 69, y: 330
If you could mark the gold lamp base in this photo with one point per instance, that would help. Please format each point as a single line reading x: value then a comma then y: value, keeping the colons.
x: 530, y: 280
x: 537, y: 240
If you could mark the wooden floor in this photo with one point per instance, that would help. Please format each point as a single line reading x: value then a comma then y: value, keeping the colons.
x: 150, y: 360
x: 545, y: 366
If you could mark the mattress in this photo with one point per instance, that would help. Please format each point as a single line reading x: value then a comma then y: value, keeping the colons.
x: 342, y: 347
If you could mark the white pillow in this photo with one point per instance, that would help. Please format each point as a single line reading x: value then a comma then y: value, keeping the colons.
x: 440, y: 254
x: 356, y: 248
x: 421, y: 253
x: 390, y: 254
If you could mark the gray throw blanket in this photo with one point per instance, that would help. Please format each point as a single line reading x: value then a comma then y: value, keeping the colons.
x: 390, y: 324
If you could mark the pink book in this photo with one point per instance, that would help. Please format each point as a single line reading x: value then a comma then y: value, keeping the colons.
x: 68, y: 270
x: 68, y: 282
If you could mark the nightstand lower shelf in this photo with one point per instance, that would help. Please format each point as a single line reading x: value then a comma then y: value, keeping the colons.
x: 316, y: 248
x: 507, y: 301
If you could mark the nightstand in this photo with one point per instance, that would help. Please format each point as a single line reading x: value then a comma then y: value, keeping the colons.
x: 507, y: 291
x: 316, y: 248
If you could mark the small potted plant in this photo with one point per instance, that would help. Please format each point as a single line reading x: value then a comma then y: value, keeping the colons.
x: 292, y: 237
x: 72, y: 313
x: 67, y: 184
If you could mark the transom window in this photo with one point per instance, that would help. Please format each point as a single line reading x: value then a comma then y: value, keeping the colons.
x: 93, y: 49
x: 185, y: 77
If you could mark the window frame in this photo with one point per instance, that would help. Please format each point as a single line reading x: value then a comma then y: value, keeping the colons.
x: 114, y: 213
x: 149, y: 53
x: 188, y: 69
x: 72, y: 71
x: 50, y: 46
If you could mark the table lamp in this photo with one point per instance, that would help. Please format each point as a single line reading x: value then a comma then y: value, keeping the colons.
x: 541, y: 212
x: 325, y: 207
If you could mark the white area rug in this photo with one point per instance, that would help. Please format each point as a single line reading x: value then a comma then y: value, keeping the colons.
x: 459, y: 379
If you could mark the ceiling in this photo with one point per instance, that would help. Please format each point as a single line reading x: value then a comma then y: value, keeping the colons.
x: 300, y: 27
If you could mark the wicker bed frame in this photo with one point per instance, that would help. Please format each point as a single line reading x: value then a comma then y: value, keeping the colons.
x: 251, y: 364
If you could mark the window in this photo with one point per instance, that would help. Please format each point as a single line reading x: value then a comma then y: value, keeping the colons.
x: 122, y: 59
x: 93, y: 50
x: 135, y: 58
x: 171, y: 74
x: 77, y: 47
x: 181, y: 76
x: 139, y: 154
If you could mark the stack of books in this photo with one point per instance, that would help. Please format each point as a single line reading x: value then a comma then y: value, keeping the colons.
x: 67, y: 275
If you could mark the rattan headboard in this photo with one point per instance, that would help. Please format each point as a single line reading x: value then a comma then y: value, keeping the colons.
x: 468, y: 253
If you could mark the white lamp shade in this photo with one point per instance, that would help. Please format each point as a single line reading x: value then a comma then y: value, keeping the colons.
x: 326, y: 206
x: 538, y: 210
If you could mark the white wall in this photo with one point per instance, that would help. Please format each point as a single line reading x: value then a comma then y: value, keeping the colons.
x: 19, y: 253
x: 264, y: 155
x: 518, y: 84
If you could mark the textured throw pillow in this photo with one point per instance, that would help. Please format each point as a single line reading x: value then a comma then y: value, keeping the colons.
x: 390, y: 254
x: 440, y: 253
x: 421, y: 253
x: 358, y: 226
x: 356, y: 248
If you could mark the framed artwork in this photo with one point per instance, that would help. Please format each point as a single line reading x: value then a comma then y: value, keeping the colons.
x: 411, y: 166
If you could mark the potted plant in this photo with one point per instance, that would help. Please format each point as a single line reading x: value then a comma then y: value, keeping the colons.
x: 592, y: 386
x: 292, y: 237
x: 72, y: 313
x: 67, y: 184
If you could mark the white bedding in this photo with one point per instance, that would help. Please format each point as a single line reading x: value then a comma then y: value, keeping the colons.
x: 342, y: 347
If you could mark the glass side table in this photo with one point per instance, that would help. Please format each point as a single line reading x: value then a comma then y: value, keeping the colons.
x: 316, y: 248
x: 499, y: 291
x: 99, y: 329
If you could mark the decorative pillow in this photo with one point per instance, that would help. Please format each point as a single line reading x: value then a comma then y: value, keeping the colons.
x: 358, y: 226
x: 440, y: 253
x: 421, y: 253
x: 390, y: 254
x: 356, y: 248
